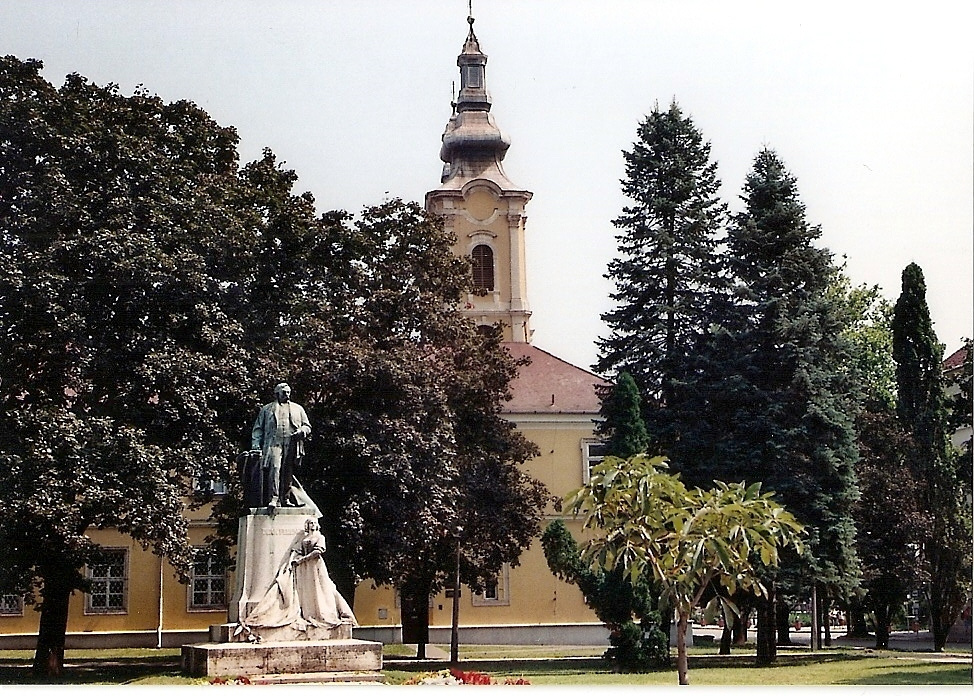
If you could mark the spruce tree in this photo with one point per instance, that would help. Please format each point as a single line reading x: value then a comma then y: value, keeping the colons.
x: 669, y: 269
x: 784, y: 380
x: 943, y: 493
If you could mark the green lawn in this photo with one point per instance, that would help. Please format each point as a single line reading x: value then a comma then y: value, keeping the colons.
x: 847, y: 667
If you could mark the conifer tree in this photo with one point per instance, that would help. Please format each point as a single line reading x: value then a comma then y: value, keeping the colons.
x: 622, y: 427
x: 669, y: 269
x: 943, y: 493
x: 790, y: 396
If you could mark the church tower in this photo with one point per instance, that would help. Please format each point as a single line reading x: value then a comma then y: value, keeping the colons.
x: 480, y: 205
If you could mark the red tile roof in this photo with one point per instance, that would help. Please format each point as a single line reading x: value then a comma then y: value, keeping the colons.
x: 955, y: 359
x: 551, y: 385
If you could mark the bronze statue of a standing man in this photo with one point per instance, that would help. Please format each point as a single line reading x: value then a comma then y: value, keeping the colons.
x: 278, y: 436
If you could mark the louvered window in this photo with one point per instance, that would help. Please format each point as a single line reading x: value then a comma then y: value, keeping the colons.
x: 483, y: 267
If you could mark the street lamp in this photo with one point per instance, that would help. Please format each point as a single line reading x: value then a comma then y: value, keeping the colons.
x: 455, y: 629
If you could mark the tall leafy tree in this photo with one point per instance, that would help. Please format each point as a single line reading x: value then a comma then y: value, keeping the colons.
x: 791, y: 395
x: 943, y: 493
x: 646, y: 521
x: 891, y: 523
x: 156, y: 290
x: 668, y: 273
x: 120, y: 365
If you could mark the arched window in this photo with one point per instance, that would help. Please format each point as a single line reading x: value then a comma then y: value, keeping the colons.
x: 483, y: 267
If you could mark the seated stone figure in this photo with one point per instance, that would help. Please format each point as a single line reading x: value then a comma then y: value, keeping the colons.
x: 302, y: 594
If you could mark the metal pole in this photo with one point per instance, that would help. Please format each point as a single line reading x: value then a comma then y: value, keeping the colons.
x: 161, y: 607
x: 455, y: 630
x: 813, y: 640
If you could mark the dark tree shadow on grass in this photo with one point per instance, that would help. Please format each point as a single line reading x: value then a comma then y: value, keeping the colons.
x: 119, y: 670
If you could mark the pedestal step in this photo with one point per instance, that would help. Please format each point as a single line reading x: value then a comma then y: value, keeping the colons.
x: 320, y: 678
x: 279, y: 657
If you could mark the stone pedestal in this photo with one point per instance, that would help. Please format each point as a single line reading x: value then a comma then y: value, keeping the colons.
x: 263, y: 542
x: 286, y: 653
x: 285, y: 657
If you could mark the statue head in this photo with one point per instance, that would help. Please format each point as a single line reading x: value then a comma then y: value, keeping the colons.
x: 282, y: 392
x: 311, y: 526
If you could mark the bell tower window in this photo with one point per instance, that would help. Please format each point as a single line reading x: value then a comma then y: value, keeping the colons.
x: 472, y: 77
x: 483, y: 267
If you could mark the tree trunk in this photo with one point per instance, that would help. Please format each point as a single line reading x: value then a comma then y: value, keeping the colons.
x: 725, y: 640
x: 767, y: 652
x: 782, y: 624
x: 682, y: 664
x: 49, y: 653
x: 882, y: 627
x: 414, y: 612
x: 740, y: 626
x: 857, y: 621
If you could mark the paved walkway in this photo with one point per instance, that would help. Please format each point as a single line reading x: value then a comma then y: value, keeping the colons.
x: 906, y: 641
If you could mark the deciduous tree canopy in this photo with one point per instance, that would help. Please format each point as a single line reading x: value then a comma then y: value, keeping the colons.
x: 154, y: 293
x: 647, y: 522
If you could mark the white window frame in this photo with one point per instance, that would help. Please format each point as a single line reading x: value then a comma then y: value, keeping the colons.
x: 11, y: 605
x: 502, y: 592
x: 210, y: 556
x: 590, y: 459
x: 90, y: 608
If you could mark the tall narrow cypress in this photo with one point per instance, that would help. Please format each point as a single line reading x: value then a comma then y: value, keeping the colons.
x: 943, y: 491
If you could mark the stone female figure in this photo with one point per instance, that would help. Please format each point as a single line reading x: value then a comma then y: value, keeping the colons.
x: 303, y: 594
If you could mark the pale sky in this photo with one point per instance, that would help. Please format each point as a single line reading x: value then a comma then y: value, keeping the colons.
x: 871, y: 107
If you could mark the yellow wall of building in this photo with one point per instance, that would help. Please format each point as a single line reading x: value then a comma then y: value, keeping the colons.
x: 536, y: 596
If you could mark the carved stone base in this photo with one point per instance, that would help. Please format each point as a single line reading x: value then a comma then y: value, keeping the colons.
x: 276, y: 658
x: 263, y: 542
x: 227, y: 633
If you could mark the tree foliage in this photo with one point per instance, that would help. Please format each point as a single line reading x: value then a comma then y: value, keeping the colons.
x: 117, y: 353
x: 960, y: 406
x: 622, y: 429
x: 668, y: 273
x: 629, y: 611
x: 891, y: 523
x: 795, y: 395
x: 649, y: 523
x: 156, y: 290
x: 943, y: 493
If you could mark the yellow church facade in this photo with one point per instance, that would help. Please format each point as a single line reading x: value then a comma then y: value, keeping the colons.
x: 137, y: 601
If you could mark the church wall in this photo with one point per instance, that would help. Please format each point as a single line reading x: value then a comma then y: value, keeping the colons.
x: 532, y: 596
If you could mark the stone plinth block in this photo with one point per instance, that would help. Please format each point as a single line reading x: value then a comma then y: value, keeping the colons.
x: 227, y: 633
x: 263, y: 543
x: 303, y: 657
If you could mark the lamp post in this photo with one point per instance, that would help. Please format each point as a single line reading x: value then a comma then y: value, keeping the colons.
x: 455, y: 629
